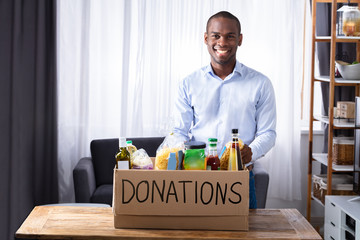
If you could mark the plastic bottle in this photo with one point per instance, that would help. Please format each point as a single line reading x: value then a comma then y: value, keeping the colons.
x: 123, y: 156
x: 235, y: 161
x: 131, y: 149
x: 212, y: 160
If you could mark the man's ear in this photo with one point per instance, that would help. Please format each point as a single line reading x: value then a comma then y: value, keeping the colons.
x: 240, y: 40
x: 205, y: 37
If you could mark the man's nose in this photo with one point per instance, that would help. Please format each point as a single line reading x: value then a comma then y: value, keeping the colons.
x: 222, y: 41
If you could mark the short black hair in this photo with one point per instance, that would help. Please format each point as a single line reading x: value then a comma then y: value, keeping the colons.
x: 224, y: 14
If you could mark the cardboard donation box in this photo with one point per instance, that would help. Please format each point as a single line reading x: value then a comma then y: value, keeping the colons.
x: 211, y: 200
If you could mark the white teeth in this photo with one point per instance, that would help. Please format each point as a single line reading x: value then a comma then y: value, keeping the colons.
x: 221, y: 52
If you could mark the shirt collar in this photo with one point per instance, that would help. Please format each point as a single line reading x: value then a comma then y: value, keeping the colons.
x: 237, y: 69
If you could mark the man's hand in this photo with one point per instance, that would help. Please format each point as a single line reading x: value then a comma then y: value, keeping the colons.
x: 246, y: 154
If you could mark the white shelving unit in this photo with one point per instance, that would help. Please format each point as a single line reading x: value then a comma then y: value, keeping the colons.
x: 323, y: 158
x: 342, y: 218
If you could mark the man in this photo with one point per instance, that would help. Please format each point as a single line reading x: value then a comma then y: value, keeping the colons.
x: 225, y: 95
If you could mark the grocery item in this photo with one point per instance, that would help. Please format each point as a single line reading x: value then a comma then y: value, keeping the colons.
x: 123, y: 156
x: 235, y: 161
x: 212, y: 160
x: 224, y: 159
x: 141, y: 160
x: 162, y: 156
x: 194, y: 155
x: 172, y: 162
x: 170, y: 144
x: 131, y: 149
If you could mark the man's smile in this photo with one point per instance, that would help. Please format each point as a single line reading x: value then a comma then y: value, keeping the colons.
x: 221, y: 52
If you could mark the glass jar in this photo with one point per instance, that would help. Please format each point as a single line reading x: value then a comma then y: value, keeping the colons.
x: 351, y: 21
x: 194, y: 156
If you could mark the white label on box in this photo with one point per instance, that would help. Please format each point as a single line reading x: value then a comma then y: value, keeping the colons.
x: 124, y: 165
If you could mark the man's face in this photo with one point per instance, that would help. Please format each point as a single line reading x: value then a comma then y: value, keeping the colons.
x: 222, y: 39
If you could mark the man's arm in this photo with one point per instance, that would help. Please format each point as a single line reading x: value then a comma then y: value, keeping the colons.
x: 184, y: 113
x: 266, y: 122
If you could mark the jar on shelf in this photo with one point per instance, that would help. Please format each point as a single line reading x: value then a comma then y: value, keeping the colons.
x: 351, y: 21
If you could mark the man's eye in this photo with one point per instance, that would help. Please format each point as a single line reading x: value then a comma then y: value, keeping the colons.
x: 231, y: 36
x: 216, y: 36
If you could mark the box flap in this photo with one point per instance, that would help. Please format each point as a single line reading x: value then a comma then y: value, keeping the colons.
x: 181, y: 193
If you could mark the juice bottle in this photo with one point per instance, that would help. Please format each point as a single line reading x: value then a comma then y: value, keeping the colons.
x: 235, y: 161
x: 212, y: 160
x: 123, y: 156
x: 131, y: 149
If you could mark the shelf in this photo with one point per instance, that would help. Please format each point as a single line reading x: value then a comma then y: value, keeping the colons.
x: 338, y: 1
x: 322, y: 158
x: 317, y: 200
x: 333, y: 41
x: 338, y: 123
x: 338, y: 81
x: 339, y: 39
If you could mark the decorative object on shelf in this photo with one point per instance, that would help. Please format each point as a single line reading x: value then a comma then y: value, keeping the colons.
x: 345, y: 109
x: 351, y: 21
x: 339, y: 21
x: 348, y: 71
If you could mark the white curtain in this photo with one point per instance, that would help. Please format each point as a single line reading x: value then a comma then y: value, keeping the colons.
x: 119, y: 63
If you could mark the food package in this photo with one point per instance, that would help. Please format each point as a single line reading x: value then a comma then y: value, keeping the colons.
x: 171, y: 143
x: 141, y: 160
x: 224, y: 160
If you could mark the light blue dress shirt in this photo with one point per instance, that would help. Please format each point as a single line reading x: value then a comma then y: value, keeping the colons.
x: 207, y: 106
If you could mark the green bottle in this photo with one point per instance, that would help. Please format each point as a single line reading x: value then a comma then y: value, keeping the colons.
x: 123, y: 156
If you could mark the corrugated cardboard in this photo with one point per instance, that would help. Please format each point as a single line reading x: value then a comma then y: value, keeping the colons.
x: 213, y: 200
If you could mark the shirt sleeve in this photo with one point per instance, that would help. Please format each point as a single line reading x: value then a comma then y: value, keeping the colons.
x: 183, y: 115
x: 266, y: 122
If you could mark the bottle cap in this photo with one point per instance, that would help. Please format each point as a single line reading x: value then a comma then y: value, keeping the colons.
x: 122, y: 142
x: 234, y: 130
x: 212, y: 140
x: 129, y: 142
x: 195, y: 145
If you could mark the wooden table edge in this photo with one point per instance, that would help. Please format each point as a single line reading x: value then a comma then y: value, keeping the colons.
x: 40, y: 214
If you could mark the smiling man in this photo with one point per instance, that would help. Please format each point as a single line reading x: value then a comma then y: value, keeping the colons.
x: 225, y: 95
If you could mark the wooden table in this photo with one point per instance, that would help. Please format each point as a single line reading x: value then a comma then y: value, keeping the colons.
x: 69, y: 222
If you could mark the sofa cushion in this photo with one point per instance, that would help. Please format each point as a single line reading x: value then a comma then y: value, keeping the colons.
x: 103, y: 155
x: 103, y: 194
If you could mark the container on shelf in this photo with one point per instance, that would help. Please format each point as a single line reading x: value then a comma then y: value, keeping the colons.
x: 341, y: 185
x: 351, y: 21
x: 339, y: 21
x: 343, y: 150
x: 348, y: 71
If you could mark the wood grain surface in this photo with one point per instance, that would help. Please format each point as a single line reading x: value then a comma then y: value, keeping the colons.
x: 72, y: 222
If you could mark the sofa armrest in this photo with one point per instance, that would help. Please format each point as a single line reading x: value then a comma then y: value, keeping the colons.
x: 84, y: 180
x: 261, y: 184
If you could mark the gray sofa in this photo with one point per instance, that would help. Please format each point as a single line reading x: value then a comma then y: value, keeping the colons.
x: 93, y: 176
